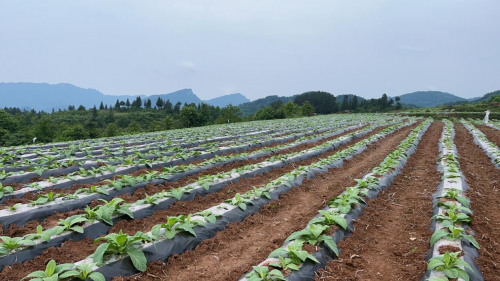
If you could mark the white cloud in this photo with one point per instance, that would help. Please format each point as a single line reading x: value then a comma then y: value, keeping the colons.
x: 188, y: 65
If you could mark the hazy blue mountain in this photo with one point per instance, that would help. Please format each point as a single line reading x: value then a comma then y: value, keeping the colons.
x: 43, y: 96
x: 234, y: 99
x: 184, y: 95
x: 429, y: 98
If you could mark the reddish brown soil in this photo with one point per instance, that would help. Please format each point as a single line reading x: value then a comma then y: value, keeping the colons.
x: 392, y: 236
x: 139, y: 194
x: 202, y: 203
x: 241, y: 245
x: 492, y: 134
x: 484, y: 181
x: 70, y: 252
x: 198, y: 204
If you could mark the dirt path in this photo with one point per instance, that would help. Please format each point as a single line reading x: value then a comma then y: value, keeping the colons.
x: 392, y: 236
x: 492, y: 134
x: 234, y: 251
x: 484, y: 181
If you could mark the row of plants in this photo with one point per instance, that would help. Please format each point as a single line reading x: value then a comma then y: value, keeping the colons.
x: 120, y: 154
x: 119, y: 209
x: 200, y: 134
x: 451, y: 217
x: 115, y: 248
x: 291, y: 256
x: 484, y: 143
x: 106, y: 170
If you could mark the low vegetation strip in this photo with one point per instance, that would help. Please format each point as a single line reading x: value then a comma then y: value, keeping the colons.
x: 482, y: 141
x: 453, y: 248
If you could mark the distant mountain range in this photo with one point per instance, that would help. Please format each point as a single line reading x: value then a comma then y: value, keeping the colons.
x: 429, y: 98
x: 42, y: 96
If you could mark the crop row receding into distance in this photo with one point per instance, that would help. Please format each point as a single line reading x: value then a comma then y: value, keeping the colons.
x: 218, y: 211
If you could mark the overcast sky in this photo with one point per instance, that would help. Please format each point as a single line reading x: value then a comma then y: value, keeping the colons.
x: 257, y: 48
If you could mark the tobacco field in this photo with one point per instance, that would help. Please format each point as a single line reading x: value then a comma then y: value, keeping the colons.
x: 333, y: 197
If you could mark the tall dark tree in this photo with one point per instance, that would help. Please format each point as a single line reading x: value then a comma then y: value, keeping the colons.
x: 159, y: 103
x: 101, y: 107
x: 345, y: 103
x: 117, y: 104
x: 354, y: 102
x: 168, y: 107
x: 177, y: 107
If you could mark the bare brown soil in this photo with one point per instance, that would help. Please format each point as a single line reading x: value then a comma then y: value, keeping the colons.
x: 234, y: 251
x: 484, y: 193
x: 492, y: 134
x: 202, y: 203
x: 392, y: 236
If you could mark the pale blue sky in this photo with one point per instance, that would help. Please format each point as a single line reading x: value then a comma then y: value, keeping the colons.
x: 255, y: 47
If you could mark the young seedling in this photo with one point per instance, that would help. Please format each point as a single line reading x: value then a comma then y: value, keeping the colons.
x: 262, y: 273
x: 9, y: 244
x: 122, y: 244
x: 294, y: 251
x: 285, y: 264
x: 452, y: 233
x: 51, y: 272
x: 450, y: 264
x: 45, y: 235
x: 5, y: 190
x: 313, y: 234
x: 83, y: 272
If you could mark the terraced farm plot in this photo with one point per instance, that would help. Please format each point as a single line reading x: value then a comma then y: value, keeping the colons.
x: 338, y: 197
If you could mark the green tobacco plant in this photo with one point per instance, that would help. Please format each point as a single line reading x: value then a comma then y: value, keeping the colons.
x: 83, y: 272
x: 450, y: 265
x: 452, y: 233
x: 70, y: 224
x: 262, y: 273
x: 239, y: 201
x: 46, y: 198
x: 175, y: 225
x: 455, y: 194
x: 40, y: 234
x: 294, y: 252
x: 9, y: 244
x: 454, y: 207
x: 122, y: 244
x: 285, y: 264
x: 5, y: 190
x: 330, y: 217
x: 452, y: 218
x: 51, y: 272
x: 208, y: 215
x: 313, y: 234
x: 106, y: 211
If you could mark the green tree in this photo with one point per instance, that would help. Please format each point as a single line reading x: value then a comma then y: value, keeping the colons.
x: 168, y: 122
x: 112, y: 130
x: 231, y: 113
x: 291, y: 110
x: 354, y: 102
x: 189, y: 116
x: 134, y: 128
x: 44, y: 129
x: 307, y: 109
x: 159, y: 103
